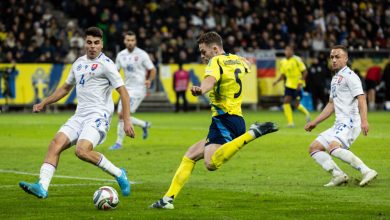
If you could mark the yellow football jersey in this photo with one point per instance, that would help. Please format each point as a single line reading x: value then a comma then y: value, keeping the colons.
x: 292, y: 68
x: 226, y: 96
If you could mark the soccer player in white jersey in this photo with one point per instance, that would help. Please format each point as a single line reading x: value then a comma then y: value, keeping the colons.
x: 348, y: 101
x: 139, y: 74
x: 94, y: 75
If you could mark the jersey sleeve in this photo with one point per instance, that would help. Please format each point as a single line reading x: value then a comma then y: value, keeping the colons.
x: 71, y: 79
x: 213, y: 69
x: 147, y: 62
x: 355, y: 85
x: 113, y: 75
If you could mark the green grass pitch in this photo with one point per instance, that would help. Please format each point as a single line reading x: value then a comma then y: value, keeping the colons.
x: 271, y: 178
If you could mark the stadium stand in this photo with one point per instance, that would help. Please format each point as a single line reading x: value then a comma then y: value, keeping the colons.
x: 49, y: 31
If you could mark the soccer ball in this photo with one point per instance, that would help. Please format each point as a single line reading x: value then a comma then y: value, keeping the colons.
x: 105, y: 198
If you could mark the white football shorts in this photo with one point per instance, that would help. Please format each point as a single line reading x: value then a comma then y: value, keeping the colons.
x: 93, y: 129
x: 341, y: 133
x: 135, y: 101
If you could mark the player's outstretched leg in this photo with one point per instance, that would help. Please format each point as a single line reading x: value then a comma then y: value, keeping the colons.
x: 226, y: 151
x: 35, y: 189
x: 123, y: 182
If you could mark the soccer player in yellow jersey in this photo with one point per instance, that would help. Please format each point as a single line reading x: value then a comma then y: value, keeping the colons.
x: 227, y: 134
x: 293, y: 72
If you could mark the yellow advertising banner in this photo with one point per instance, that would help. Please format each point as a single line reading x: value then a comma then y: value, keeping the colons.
x: 196, y: 75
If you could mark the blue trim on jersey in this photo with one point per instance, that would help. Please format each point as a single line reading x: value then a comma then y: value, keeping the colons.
x: 219, y: 110
x: 224, y: 131
x: 218, y: 90
x: 100, y: 55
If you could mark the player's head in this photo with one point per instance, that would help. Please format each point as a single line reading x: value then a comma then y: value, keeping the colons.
x: 210, y: 45
x: 93, y: 42
x: 339, y: 57
x: 289, y: 51
x: 130, y: 40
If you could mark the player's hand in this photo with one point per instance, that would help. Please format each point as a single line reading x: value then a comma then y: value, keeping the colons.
x: 310, y: 126
x: 274, y: 83
x: 148, y: 83
x: 364, y: 127
x: 38, y: 107
x: 128, y: 128
x: 196, y: 91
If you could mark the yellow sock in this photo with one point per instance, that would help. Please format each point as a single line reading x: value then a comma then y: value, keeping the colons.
x: 288, y: 113
x: 182, y: 174
x: 226, y: 151
x: 303, y: 109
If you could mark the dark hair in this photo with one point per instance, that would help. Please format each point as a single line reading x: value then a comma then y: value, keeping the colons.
x: 342, y: 47
x: 210, y: 38
x: 130, y: 33
x: 94, y: 32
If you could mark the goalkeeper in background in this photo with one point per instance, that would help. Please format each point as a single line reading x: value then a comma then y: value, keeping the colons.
x: 227, y: 133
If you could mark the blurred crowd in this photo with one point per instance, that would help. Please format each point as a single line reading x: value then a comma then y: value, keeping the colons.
x: 30, y: 31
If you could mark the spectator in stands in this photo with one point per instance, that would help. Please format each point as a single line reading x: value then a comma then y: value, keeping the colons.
x: 316, y: 83
x: 386, y: 80
x: 372, y: 80
x: 181, y: 79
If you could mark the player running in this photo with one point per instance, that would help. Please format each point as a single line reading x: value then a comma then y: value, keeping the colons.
x: 139, y: 74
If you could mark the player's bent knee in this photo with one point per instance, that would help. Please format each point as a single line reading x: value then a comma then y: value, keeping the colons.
x: 315, y: 146
x: 81, y: 153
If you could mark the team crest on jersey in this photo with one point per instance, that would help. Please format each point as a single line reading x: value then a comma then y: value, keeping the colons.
x: 339, y: 79
x: 136, y: 58
x: 94, y: 66
x: 79, y: 67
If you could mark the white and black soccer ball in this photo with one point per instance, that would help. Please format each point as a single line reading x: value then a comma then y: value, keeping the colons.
x: 105, y: 198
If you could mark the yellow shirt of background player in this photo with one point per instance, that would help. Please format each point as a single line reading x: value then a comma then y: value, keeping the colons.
x: 292, y: 68
x: 226, y: 95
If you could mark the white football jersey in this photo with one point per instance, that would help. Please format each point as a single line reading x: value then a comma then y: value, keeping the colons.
x: 94, y: 81
x: 345, y: 86
x: 135, y: 65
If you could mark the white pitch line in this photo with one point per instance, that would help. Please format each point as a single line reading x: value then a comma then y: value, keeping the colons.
x: 58, y: 185
x: 62, y: 176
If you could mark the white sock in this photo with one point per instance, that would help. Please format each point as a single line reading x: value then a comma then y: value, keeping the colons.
x: 138, y: 122
x: 120, y: 133
x: 326, y: 162
x: 45, y: 175
x: 350, y: 158
x: 107, y: 166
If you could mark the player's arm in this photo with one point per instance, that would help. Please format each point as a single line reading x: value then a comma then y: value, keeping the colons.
x: 206, y: 85
x: 362, y: 104
x: 328, y: 111
x: 125, y: 99
x: 151, y: 74
x: 57, y: 95
x: 302, y: 80
x: 281, y: 77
